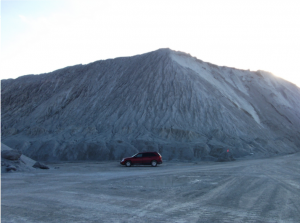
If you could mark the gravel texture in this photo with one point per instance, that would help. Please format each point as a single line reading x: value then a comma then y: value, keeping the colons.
x: 256, y: 190
x: 165, y: 101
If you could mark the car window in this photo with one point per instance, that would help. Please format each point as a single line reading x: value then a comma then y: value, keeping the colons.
x: 134, y: 155
x: 139, y: 155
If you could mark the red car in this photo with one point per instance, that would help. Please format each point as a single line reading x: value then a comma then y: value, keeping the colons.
x: 145, y: 158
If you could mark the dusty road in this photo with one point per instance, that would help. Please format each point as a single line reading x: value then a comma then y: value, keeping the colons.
x: 264, y: 190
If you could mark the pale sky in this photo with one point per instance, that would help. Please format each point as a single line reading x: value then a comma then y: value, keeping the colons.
x: 40, y: 36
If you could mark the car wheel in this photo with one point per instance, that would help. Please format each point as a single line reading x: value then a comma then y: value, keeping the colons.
x: 153, y: 163
x: 128, y: 163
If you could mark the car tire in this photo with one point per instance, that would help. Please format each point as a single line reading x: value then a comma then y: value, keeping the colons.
x: 128, y: 163
x: 153, y: 163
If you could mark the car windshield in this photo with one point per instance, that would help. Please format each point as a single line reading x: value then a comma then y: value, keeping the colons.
x: 134, y: 155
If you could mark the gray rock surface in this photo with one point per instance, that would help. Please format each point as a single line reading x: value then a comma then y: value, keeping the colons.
x: 20, y: 164
x: 11, y: 154
x: 11, y: 168
x: 40, y: 165
x: 165, y: 100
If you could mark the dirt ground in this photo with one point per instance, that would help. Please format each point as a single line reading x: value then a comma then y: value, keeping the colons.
x: 261, y: 190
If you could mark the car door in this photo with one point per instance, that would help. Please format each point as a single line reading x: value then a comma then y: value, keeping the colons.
x: 137, y: 159
x: 147, y: 158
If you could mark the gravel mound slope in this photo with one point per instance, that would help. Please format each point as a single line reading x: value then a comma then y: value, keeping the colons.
x: 165, y: 101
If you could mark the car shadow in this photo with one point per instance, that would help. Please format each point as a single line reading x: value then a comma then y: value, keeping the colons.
x: 139, y: 166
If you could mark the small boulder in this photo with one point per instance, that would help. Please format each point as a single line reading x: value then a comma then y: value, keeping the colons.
x: 11, y: 154
x: 11, y: 168
x: 40, y: 165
